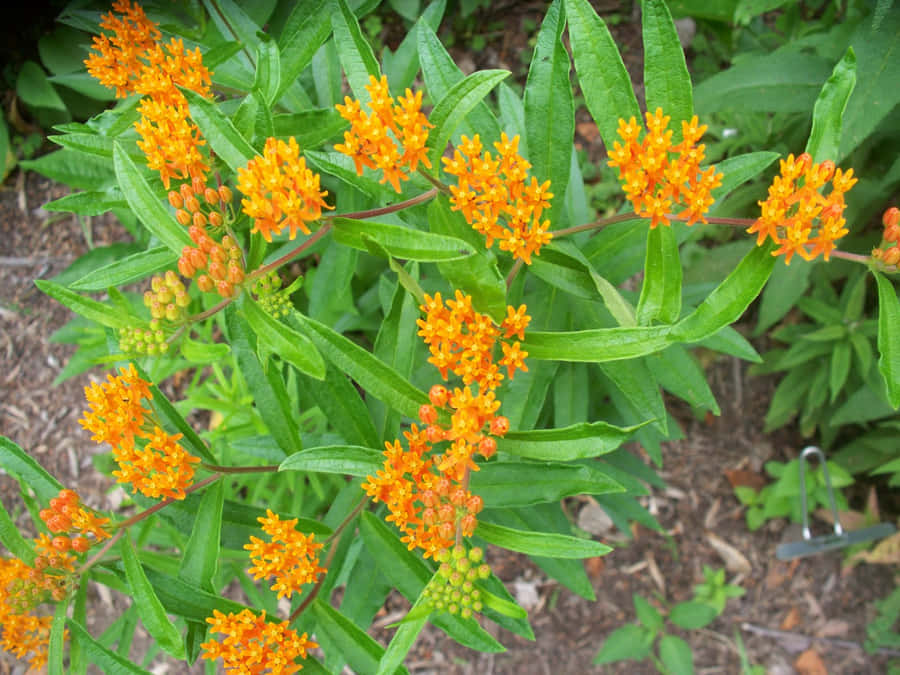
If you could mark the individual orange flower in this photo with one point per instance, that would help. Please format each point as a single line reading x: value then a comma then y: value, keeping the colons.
x: 252, y: 645
x: 291, y: 557
x: 797, y: 216
x: 281, y: 192
x: 656, y: 174
x: 495, y: 199
x: 391, y: 138
x: 148, y: 457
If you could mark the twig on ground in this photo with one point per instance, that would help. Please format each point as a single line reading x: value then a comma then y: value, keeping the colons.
x: 835, y: 642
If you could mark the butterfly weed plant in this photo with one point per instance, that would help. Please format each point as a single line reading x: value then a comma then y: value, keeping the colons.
x: 412, y: 338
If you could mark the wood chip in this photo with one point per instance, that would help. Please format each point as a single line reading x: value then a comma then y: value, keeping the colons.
x: 734, y: 560
x: 834, y: 628
x: 791, y: 619
x: 656, y: 575
x: 810, y: 663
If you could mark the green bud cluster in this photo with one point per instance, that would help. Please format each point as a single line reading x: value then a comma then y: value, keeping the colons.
x: 274, y: 302
x: 167, y: 298
x: 452, y: 589
x: 146, y: 339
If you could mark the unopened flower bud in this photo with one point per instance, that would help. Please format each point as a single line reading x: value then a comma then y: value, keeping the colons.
x: 210, y: 195
x: 80, y: 544
x: 175, y: 199
x: 235, y: 274
x: 225, y: 289
x: 204, y: 283
x: 199, y: 219
x: 225, y: 193
x: 198, y: 185
x: 891, y: 217
x: 192, y: 204
x: 183, y: 217
x: 487, y: 447
x: 427, y: 414
x: 438, y: 395
x: 499, y: 426
x: 891, y: 256
x: 216, y: 219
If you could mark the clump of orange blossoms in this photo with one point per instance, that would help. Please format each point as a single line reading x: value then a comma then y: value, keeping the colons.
x: 149, y: 458
x: 25, y: 634
x: 66, y: 515
x: 131, y: 60
x: 426, y: 487
x: 391, y: 138
x: 281, y: 192
x: 495, y: 199
x: 889, y: 251
x: 797, y: 216
x: 656, y: 174
x: 291, y: 557
x: 252, y: 645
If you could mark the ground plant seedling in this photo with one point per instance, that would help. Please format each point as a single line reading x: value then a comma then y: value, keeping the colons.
x: 400, y: 334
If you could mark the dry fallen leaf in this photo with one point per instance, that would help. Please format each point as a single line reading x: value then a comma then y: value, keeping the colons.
x: 744, y: 478
x: 791, y: 620
x: 810, y: 663
x: 592, y: 518
x: 734, y: 560
x: 588, y: 130
x: 595, y: 566
x: 885, y: 552
x: 834, y: 628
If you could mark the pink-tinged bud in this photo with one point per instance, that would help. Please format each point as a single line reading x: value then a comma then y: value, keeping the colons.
x: 891, y: 256
x: 183, y: 217
x: 199, y: 219
x: 216, y: 219
x: 427, y: 414
x: 198, y: 185
x: 438, y: 395
x: 192, y: 204
x: 235, y: 274
x: 225, y: 289
x: 217, y: 270
x: 186, y: 191
x: 499, y: 426
x: 175, y: 200
x: 198, y: 259
x: 210, y: 195
x: 204, y: 283
x: 487, y: 447
x: 225, y: 194
x: 891, y: 217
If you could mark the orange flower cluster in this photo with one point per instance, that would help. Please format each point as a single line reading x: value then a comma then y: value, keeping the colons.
x: 425, y: 489
x: 889, y: 251
x: 280, y: 190
x: 291, y: 557
x: 391, y: 138
x: 657, y: 174
x: 25, y: 634
x: 795, y: 208
x: 252, y: 645
x: 490, y: 188
x: 66, y: 515
x: 148, y: 457
x: 132, y: 60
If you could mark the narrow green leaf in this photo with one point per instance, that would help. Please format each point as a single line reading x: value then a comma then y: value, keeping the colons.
x: 360, y: 650
x: 601, y: 73
x: 598, y: 345
x: 401, y: 242
x: 73, y: 168
x: 201, y: 553
x: 34, y: 89
x: 676, y: 655
x: 379, y: 380
x: 889, y: 337
x: 355, y: 53
x: 127, y: 270
x: 308, y: 26
x: 268, y: 70
x: 640, y: 393
x: 456, y: 104
x: 12, y: 538
x: 22, y: 465
x: 667, y: 82
x: 339, y: 165
x: 151, y: 610
x: 221, y: 134
x: 56, y: 649
x: 145, y: 204
x: 105, y: 659
x: 86, y: 307
x: 661, y: 292
x: 839, y: 368
x: 402, y: 65
x: 786, y: 286
x: 289, y: 344
x: 578, y: 441
x: 550, y: 109
x: 500, y: 483
x: 502, y: 606
x: 350, y: 460
x: 311, y: 128
x: 540, y: 543
x: 340, y: 401
x: 267, y: 387
x: 680, y: 374
x: 828, y: 113
x: 89, y: 203
x: 409, y: 575
x: 729, y: 299
x: 404, y: 638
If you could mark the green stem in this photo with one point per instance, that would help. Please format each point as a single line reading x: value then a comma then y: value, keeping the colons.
x: 265, y: 269
x: 440, y: 185
x: 513, y: 272
x: 393, y: 208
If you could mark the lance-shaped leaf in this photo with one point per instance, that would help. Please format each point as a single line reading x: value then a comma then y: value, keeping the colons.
x: 667, y: 82
x: 578, y: 441
x: 289, y: 344
x: 540, y: 543
x: 889, y: 337
x: 145, y: 204
x: 404, y: 638
x: 550, y: 109
x: 738, y: 170
x: 500, y: 483
x: 401, y: 242
x: 127, y: 270
x: 373, y: 375
x: 86, y: 307
x: 729, y: 299
x: 105, y: 659
x: 19, y: 463
x: 12, y: 538
x: 151, y: 610
x: 219, y: 131
x: 597, y: 345
x: 91, y: 203
x: 349, y: 460
x: 360, y: 650
x: 456, y: 104
x: 601, y: 73
x: 355, y: 53
x: 661, y: 292
x: 828, y: 113
x: 268, y: 70
x: 56, y: 647
x: 308, y: 26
